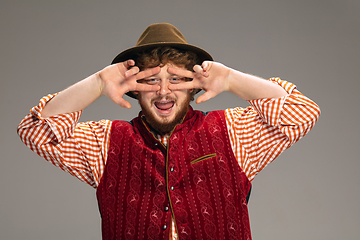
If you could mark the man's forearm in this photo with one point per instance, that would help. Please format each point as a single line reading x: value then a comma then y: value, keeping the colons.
x: 75, y: 98
x: 249, y: 87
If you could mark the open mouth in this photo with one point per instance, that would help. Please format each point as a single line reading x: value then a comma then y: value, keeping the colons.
x: 164, y: 106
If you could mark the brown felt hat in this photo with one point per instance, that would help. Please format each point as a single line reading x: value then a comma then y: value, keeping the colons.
x: 158, y: 35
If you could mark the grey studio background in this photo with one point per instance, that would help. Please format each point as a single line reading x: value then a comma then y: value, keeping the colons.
x: 310, y: 192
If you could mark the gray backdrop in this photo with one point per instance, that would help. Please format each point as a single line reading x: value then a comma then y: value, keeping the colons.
x: 310, y: 192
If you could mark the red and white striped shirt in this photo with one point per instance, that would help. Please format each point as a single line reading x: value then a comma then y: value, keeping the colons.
x: 258, y: 134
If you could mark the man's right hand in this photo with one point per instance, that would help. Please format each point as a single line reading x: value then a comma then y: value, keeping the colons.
x: 113, y: 81
x: 120, y: 78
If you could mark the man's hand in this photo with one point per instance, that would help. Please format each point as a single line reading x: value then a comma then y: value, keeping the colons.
x: 120, y: 78
x: 212, y: 77
x: 113, y: 81
x: 216, y: 78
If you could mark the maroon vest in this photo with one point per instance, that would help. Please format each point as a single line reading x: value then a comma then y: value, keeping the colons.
x: 196, y: 179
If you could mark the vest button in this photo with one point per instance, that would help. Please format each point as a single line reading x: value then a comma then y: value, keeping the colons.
x: 166, y: 209
x: 164, y: 227
x: 172, y: 188
x: 171, y: 169
x: 156, y: 144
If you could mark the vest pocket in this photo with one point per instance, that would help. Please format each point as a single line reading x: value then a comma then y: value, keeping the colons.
x: 203, y: 158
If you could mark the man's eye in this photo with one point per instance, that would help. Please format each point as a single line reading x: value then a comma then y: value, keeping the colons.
x: 152, y: 81
x: 175, y: 80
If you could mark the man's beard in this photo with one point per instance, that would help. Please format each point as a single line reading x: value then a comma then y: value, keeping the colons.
x: 165, y: 126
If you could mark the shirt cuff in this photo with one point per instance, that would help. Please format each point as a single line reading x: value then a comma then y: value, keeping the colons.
x: 270, y: 109
x: 62, y: 125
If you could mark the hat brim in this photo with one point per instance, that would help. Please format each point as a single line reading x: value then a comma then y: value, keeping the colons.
x: 131, y: 53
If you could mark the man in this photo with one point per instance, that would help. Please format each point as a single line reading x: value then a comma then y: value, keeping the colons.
x: 171, y: 172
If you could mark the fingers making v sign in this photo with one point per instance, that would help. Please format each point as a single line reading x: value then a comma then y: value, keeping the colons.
x: 212, y: 77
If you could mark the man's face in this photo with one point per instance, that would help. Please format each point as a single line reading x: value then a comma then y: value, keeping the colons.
x: 164, y: 108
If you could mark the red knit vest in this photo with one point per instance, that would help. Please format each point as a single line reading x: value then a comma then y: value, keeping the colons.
x: 196, y: 179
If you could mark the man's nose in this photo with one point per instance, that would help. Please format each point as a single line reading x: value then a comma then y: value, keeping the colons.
x: 164, y: 87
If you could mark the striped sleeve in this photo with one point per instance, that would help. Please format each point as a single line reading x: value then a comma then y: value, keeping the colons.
x: 261, y: 132
x: 77, y: 148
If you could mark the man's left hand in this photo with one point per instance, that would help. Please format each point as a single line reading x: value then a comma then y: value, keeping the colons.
x: 212, y: 77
